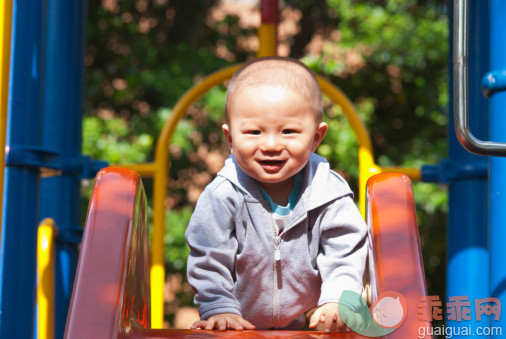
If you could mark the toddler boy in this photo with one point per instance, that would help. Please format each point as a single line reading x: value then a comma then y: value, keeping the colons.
x: 276, y: 233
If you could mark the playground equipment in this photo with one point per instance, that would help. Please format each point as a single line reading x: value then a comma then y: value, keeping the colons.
x: 112, y: 291
x: 45, y: 66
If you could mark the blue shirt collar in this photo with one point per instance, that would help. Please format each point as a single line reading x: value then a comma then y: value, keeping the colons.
x: 292, y: 199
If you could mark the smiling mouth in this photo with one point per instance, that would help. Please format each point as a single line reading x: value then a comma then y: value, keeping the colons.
x: 272, y: 165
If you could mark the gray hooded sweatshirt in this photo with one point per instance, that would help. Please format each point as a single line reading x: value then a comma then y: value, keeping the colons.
x: 232, y: 265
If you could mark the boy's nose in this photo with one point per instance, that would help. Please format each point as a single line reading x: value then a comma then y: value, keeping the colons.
x: 271, y: 144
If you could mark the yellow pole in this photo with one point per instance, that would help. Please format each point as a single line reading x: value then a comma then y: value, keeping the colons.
x: 146, y: 170
x: 268, y: 31
x: 267, y: 40
x: 366, y: 165
x: 157, y: 273
x: 45, y: 274
x: 5, y: 46
x: 413, y: 173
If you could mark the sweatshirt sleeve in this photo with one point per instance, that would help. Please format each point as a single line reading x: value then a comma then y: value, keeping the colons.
x: 213, y: 246
x: 343, y: 250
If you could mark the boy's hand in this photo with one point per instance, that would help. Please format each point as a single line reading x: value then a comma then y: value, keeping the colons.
x: 222, y: 322
x: 328, y: 315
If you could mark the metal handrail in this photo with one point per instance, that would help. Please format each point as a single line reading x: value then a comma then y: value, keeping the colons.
x: 461, y: 87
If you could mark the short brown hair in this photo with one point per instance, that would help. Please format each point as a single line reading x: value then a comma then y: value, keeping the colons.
x: 277, y: 71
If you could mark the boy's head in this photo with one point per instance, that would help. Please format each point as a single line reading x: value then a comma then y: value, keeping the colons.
x: 276, y: 72
x: 273, y: 119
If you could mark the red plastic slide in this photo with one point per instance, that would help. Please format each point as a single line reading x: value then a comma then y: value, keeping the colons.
x: 111, y: 296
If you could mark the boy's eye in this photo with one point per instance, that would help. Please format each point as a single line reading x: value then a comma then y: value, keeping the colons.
x: 253, y: 131
x: 288, y: 131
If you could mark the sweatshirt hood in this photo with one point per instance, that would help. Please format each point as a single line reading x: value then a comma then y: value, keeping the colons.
x: 318, y: 177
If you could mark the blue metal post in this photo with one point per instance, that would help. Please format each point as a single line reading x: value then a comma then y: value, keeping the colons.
x: 21, y: 192
x: 468, y: 256
x: 498, y: 164
x: 63, y: 102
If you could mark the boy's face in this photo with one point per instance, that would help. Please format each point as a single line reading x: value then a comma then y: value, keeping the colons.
x: 272, y: 132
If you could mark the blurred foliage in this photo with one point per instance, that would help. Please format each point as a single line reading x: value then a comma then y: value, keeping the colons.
x: 388, y: 56
x: 110, y: 139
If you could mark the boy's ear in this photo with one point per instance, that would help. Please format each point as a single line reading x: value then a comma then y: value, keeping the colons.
x: 321, y: 130
x: 228, y: 136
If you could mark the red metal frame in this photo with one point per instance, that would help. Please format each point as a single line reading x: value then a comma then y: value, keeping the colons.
x: 269, y: 10
x: 398, y: 264
x: 111, y: 292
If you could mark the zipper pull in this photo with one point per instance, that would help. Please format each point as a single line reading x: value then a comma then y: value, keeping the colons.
x: 277, y: 253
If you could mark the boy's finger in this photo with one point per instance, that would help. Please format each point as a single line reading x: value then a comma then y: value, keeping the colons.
x: 339, y: 322
x: 246, y: 324
x: 315, y: 318
x: 221, y: 324
x: 199, y: 324
x: 210, y: 324
x: 329, y: 320
x: 235, y: 326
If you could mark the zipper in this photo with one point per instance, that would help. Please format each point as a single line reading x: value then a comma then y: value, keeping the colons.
x: 277, y: 258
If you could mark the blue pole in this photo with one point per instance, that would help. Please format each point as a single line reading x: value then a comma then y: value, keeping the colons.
x: 498, y: 164
x: 63, y: 102
x: 467, y: 272
x: 21, y: 192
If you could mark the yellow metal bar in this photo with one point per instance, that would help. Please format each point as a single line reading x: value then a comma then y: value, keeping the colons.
x: 366, y: 165
x: 157, y: 273
x: 146, y: 170
x: 45, y: 274
x: 267, y: 40
x: 5, y: 46
x: 413, y: 173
